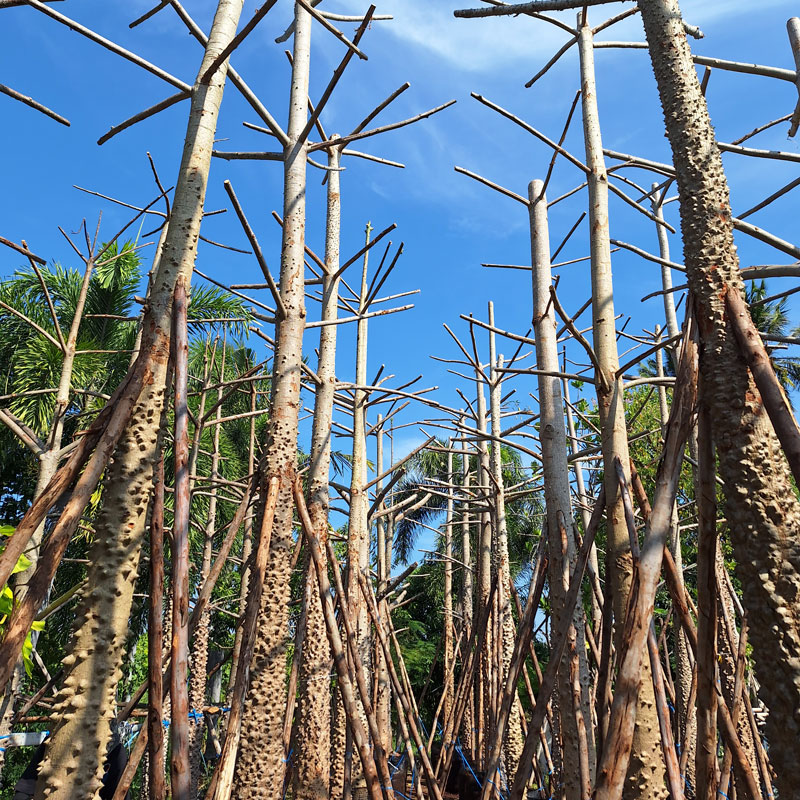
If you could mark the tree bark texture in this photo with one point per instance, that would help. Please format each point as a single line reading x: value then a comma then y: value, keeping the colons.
x: 562, y: 554
x: 313, y: 745
x: 74, y: 760
x: 646, y: 774
x: 761, y: 505
x: 260, y: 763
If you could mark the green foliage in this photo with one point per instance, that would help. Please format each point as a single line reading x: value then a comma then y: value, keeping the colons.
x: 7, y: 604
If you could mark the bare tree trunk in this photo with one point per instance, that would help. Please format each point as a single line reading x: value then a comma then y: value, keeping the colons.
x: 575, y: 721
x: 449, y: 655
x: 247, y: 547
x: 179, y: 655
x: 467, y: 731
x: 646, y: 773
x: 259, y: 766
x: 358, y: 527
x: 515, y: 739
x: 155, y: 644
x: 314, y: 706
x: 199, y: 656
x: 760, y: 502
x: 685, y: 678
x: 74, y: 760
x: 483, y: 563
x: 383, y: 695
x: 729, y: 645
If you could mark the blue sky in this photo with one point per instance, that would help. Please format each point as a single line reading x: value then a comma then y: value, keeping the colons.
x: 449, y: 223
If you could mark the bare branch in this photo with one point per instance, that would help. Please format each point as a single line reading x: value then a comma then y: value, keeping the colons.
x: 23, y: 250
x: 29, y: 101
x: 380, y: 107
x: 142, y: 115
x: 109, y: 45
x: 524, y: 8
x: 237, y: 40
x: 382, y: 129
x: 251, y: 237
x: 492, y: 185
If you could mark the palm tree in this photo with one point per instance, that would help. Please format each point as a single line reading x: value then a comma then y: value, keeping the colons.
x: 50, y: 396
x: 771, y: 318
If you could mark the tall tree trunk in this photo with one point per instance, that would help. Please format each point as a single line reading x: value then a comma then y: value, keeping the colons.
x: 761, y: 504
x: 247, y: 546
x: 705, y: 493
x: 575, y: 719
x: 515, y: 739
x: 483, y: 563
x: 313, y: 742
x: 684, y: 678
x: 358, y: 526
x: 383, y: 697
x: 467, y: 729
x: 260, y: 764
x: 646, y: 773
x: 199, y: 657
x: 74, y: 761
x: 448, y: 650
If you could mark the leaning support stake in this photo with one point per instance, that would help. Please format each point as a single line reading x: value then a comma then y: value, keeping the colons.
x: 559, y: 642
x: 339, y: 657
x: 775, y: 402
x: 179, y: 727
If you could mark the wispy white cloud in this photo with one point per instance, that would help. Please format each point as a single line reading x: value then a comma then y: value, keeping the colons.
x: 494, y: 44
x: 430, y: 28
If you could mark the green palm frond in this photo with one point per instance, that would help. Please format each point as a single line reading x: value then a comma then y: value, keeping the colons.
x: 211, y: 302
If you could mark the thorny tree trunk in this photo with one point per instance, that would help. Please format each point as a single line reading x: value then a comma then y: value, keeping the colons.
x: 762, y: 508
x: 483, y: 563
x: 313, y: 742
x: 515, y: 739
x: 575, y: 723
x: 260, y: 763
x: 467, y: 732
x: 48, y: 466
x: 383, y: 683
x: 447, y: 660
x: 247, y: 546
x: 197, y: 686
x: 646, y: 773
x: 74, y: 759
x: 358, y: 526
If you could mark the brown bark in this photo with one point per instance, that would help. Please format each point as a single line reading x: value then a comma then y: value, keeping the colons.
x: 155, y: 643
x: 706, y: 770
x: 760, y: 502
x: 73, y: 763
x: 179, y: 725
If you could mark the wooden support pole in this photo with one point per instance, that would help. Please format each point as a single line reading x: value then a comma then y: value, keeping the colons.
x: 179, y: 728
x: 521, y: 644
x: 706, y: 756
x: 221, y: 783
x: 408, y: 711
x: 356, y: 726
x: 559, y: 642
x: 155, y: 641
